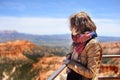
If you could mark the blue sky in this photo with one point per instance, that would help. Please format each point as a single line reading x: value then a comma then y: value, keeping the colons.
x: 52, y: 16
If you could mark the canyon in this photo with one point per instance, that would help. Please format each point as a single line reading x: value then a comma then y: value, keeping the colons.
x: 28, y: 61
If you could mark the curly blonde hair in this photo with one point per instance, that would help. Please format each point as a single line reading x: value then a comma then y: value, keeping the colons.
x: 81, y: 22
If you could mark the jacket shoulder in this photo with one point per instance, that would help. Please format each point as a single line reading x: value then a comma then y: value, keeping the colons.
x: 93, y: 43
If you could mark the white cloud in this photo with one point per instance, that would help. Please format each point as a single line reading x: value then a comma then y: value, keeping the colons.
x: 37, y: 25
x: 108, y: 27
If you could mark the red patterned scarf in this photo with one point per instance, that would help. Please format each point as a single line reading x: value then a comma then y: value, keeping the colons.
x: 80, y: 41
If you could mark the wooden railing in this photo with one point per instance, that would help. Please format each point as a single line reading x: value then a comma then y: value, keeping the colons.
x: 110, y: 56
x: 57, y: 72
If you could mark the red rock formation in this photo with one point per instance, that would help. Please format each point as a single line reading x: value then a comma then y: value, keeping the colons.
x: 108, y: 70
x: 48, y: 65
x: 14, y: 49
x: 111, y: 47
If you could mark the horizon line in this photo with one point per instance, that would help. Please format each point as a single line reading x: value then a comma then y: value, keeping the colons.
x: 15, y: 31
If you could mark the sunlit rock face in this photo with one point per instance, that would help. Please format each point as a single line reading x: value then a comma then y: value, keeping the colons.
x: 15, y: 49
x: 21, y: 59
x: 111, y: 47
x: 107, y: 70
x: 13, y: 63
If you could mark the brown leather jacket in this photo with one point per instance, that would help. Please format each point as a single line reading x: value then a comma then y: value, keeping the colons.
x: 89, y: 60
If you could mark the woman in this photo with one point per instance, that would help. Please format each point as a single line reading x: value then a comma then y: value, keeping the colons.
x: 84, y: 59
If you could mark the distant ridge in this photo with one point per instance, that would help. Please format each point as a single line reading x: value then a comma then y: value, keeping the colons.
x: 7, y: 31
x: 47, y: 40
x: 108, y: 39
